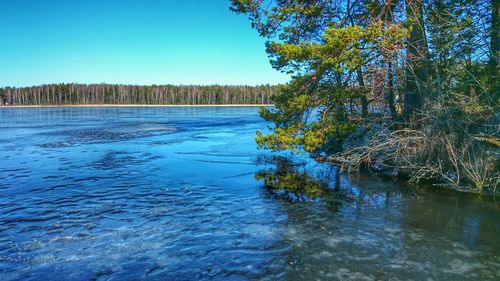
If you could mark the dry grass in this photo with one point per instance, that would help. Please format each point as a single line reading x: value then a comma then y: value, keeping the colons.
x: 461, y: 164
x: 443, y: 148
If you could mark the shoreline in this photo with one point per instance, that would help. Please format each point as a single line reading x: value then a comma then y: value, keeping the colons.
x: 135, y: 105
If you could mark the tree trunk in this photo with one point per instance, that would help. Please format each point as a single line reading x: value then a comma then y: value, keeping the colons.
x: 416, y: 89
x: 364, y: 100
x: 391, y: 97
x: 494, y: 61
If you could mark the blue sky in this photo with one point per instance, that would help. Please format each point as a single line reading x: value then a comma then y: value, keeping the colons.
x: 129, y: 41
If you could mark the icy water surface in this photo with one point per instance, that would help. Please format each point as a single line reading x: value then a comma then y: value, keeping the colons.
x: 162, y: 193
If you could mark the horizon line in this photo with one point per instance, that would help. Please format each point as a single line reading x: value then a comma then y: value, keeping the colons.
x: 145, y: 85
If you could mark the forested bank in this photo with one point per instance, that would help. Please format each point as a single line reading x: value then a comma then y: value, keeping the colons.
x: 67, y: 94
x: 404, y: 88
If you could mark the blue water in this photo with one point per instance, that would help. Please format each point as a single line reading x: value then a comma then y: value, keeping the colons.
x: 163, y: 193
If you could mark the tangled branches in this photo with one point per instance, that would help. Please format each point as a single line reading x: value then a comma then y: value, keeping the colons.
x: 419, y: 156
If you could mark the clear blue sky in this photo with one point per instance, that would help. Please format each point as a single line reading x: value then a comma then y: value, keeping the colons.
x: 129, y: 41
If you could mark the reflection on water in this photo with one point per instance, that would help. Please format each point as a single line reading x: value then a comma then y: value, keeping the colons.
x: 183, y: 194
x: 286, y: 181
x: 373, y: 229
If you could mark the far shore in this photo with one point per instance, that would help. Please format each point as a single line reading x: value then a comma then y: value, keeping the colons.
x: 136, y: 105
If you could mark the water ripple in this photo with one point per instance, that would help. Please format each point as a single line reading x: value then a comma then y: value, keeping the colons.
x: 181, y: 194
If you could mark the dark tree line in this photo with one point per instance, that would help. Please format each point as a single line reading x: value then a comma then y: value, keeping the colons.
x: 68, y: 94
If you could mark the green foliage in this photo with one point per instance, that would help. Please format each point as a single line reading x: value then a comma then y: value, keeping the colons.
x: 341, y: 49
x: 324, y: 56
x: 391, y: 62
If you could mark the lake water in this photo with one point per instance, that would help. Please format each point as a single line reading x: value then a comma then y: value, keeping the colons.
x: 164, y: 193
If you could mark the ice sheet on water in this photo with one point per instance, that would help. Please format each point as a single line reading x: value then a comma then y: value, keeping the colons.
x: 172, y: 194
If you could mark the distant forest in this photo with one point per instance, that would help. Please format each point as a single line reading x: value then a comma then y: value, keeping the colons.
x: 67, y: 94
